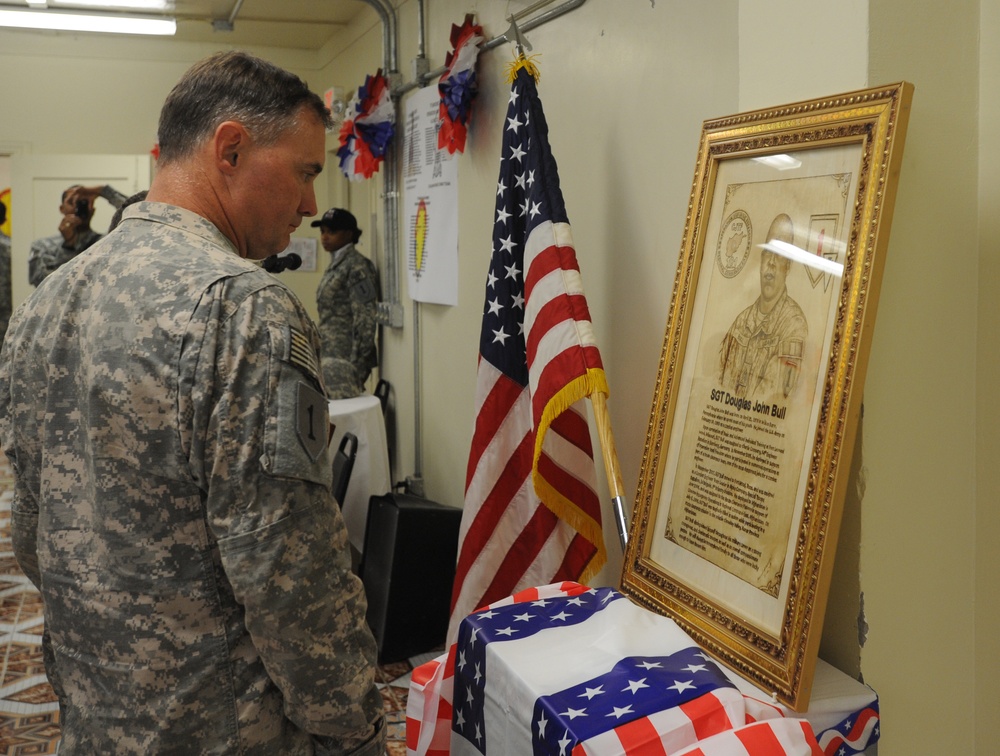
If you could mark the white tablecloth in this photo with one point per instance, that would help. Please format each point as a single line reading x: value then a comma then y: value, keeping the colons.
x: 363, y: 417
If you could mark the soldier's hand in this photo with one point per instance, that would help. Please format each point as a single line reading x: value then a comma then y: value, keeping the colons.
x: 69, y: 225
x: 89, y: 193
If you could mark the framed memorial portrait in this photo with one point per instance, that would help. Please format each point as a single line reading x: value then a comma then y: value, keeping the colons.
x: 759, y: 386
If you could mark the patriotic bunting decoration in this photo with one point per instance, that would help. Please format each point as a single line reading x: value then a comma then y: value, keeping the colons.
x: 566, y: 669
x: 368, y: 128
x: 532, y: 515
x: 458, y: 85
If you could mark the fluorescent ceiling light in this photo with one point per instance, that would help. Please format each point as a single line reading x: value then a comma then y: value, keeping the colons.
x: 139, y: 5
x: 87, y: 22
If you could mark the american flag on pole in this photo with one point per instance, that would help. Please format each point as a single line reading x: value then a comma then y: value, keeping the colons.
x: 532, y: 514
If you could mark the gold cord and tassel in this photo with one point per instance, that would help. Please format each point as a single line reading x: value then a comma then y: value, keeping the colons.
x: 525, y: 62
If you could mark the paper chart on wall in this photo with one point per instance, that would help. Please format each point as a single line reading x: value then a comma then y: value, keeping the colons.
x: 430, y: 202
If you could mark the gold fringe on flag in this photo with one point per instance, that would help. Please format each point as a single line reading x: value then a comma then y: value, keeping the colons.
x: 522, y: 61
x: 592, y: 382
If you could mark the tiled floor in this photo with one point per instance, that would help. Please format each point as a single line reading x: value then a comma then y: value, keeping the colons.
x: 29, y: 713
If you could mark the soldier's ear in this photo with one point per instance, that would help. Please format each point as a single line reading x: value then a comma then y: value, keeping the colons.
x: 229, y: 139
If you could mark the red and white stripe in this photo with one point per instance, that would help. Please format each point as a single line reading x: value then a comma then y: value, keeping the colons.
x: 526, y: 440
x: 509, y: 539
x: 773, y: 737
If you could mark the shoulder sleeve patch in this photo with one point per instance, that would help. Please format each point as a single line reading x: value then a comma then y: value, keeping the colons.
x: 297, y: 444
x: 297, y: 425
x: 312, y: 423
x: 363, y: 290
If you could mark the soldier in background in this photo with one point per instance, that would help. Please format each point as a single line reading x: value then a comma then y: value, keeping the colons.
x: 172, y: 469
x: 346, y: 302
x: 75, y: 234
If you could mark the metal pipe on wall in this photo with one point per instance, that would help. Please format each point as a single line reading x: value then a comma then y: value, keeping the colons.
x: 227, y: 24
x: 415, y: 483
x: 422, y: 79
x: 390, y: 310
x: 531, y: 23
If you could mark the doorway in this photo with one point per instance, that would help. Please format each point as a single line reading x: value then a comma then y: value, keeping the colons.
x: 36, y: 186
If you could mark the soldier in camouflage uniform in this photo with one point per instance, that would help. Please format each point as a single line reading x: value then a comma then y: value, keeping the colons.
x: 75, y: 233
x: 162, y: 405
x: 346, y: 301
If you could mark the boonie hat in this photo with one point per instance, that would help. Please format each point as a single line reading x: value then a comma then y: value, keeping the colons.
x: 337, y: 219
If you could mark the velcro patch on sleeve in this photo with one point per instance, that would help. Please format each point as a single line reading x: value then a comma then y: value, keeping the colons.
x: 363, y: 290
x: 301, y: 353
x: 297, y: 429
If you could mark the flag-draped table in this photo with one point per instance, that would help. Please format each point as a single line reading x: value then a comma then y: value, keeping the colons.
x: 566, y: 669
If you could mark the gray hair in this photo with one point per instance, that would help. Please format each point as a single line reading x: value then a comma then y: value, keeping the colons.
x: 233, y: 86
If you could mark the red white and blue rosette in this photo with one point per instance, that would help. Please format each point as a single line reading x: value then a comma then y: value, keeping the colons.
x: 458, y: 86
x: 368, y: 128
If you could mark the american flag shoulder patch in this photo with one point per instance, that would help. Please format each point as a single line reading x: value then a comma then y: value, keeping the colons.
x: 301, y: 353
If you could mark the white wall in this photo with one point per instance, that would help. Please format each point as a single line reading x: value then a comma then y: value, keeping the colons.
x: 625, y: 85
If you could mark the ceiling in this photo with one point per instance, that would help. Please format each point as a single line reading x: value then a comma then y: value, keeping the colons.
x: 305, y: 24
x: 296, y: 24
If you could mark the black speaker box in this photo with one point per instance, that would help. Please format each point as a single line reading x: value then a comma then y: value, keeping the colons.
x: 407, y: 567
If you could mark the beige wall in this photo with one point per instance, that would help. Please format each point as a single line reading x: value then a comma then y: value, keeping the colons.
x: 626, y: 85
x: 986, y: 610
x: 919, y: 446
x: 913, y: 506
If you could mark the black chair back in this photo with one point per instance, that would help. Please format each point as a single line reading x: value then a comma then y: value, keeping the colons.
x: 382, y: 392
x: 343, y: 464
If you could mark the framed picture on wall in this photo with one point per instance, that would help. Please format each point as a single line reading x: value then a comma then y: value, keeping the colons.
x: 760, y: 379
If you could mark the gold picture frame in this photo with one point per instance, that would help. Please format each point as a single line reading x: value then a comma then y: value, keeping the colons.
x: 760, y: 379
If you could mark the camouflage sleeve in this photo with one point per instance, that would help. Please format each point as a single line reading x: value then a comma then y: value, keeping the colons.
x: 260, y: 447
x: 44, y: 259
x: 112, y: 195
x: 6, y: 301
x: 363, y: 284
x: 24, y: 507
x: 36, y: 265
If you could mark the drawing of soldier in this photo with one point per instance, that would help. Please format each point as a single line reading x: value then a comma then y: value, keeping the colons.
x: 761, y: 354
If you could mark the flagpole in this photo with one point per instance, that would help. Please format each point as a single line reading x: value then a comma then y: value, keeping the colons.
x: 599, y: 402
